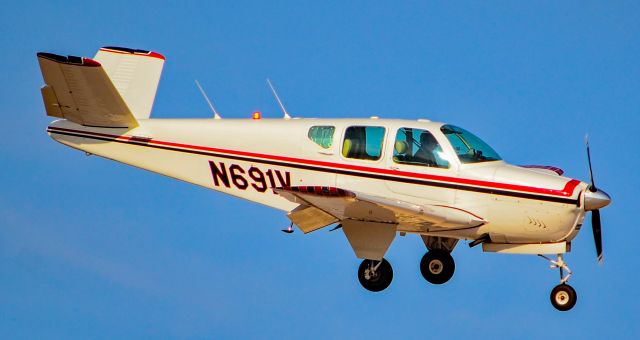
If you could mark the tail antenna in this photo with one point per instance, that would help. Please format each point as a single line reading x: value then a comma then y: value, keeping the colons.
x: 275, y: 94
x: 215, y: 113
x: 289, y: 230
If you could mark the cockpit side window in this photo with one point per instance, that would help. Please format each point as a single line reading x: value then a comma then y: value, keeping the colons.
x: 418, y: 147
x: 322, y: 135
x: 363, y: 142
x: 470, y: 149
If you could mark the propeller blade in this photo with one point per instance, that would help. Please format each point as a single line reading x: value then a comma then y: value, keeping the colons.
x: 593, y: 183
x: 597, y: 233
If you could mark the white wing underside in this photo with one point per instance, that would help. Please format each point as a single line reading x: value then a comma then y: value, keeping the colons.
x: 322, y: 206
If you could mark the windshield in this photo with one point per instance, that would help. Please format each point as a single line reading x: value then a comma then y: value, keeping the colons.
x: 470, y: 149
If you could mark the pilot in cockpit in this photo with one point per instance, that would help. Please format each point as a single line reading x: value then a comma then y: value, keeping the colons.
x: 425, y: 154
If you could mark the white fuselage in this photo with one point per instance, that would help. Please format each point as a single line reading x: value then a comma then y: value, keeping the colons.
x: 247, y: 158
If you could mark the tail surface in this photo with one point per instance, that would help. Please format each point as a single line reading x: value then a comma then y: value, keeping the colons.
x: 135, y: 74
x: 78, y: 89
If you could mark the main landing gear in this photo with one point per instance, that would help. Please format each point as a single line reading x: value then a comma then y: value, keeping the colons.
x: 375, y: 275
x: 437, y: 266
x: 563, y: 297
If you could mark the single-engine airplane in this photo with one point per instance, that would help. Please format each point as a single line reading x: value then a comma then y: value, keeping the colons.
x: 372, y: 178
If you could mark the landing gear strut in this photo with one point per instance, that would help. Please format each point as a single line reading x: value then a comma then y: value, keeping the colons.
x: 437, y: 266
x: 563, y: 297
x: 375, y: 275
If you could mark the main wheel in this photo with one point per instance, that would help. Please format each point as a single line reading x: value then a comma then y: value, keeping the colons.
x: 375, y: 275
x: 563, y: 297
x: 437, y: 266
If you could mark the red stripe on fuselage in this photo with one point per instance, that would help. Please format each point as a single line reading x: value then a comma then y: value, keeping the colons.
x: 567, y: 191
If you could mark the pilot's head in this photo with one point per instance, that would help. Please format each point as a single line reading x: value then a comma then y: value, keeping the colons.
x: 428, y: 141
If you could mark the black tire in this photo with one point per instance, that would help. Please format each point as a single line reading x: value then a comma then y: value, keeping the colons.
x: 563, y: 297
x: 380, y: 280
x: 437, y: 266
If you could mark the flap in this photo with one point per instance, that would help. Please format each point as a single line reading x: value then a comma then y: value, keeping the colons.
x: 309, y: 218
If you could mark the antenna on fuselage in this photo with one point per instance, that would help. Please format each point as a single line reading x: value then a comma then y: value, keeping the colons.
x: 215, y: 113
x: 289, y: 230
x: 275, y: 94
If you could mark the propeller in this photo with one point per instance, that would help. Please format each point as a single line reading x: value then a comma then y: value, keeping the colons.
x: 596, y: 225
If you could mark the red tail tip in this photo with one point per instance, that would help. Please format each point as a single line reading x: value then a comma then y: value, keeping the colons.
x: 90, y: 62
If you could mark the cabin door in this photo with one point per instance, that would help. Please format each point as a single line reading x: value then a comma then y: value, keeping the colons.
x: 419, y: 167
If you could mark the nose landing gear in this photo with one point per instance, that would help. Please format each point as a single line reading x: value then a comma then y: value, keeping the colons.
x: 563, y: 297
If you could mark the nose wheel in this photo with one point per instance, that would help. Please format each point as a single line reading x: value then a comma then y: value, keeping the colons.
x: 437, y: 266
x: 563, y: 297
x: 375, y: 276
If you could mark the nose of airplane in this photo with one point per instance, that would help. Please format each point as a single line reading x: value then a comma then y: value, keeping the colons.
x: 594, y: 200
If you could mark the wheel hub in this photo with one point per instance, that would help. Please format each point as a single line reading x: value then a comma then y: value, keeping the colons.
x: 562, y: 298
x: 370, y: 275
x: 435, y: 267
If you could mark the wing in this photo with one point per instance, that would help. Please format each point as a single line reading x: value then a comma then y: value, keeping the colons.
x: 322, y: 206
x: 369, y: 222
x: 78, y: 89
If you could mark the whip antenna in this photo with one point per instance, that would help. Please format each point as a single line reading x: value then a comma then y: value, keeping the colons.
x: 215, y: 113
x: 275, y: 94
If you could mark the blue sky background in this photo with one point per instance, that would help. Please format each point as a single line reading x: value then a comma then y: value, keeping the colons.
x: 90, y: 248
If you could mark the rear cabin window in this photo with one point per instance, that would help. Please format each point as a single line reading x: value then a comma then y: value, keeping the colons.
x: 322, y: 135
x: 418, y: 147
x: 363, y: 142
